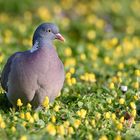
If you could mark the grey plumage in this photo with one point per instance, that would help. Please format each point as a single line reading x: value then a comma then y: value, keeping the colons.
x: 34, y: 74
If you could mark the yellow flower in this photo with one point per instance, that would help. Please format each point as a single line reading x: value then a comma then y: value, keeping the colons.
x: 57, y: 9
x: 51, y: 129
x: 26, y: 42
x: 72, y: 70
x: 77, y: 123
x: 109, y: 101
x: 70, y: 62
x: 2, y: 124
x: 89, y: 137
x: 66, y: 124
x: 92, y: 77
x: 114, y: 41
x: 60, y: 130
x: 119, y: 79
x: 4, y: 17
x: 31, y: 120
x: 1, y: 57
x: 81, y: 9
x: 56, y: 108
x: 93, y: 123
x: 7, y: 36
x: 19, y: 103
x: 103, y: 138
x: 88, y: 77
x: 15, y: 118
x: 69, y: 82
x: 107, y: 115
x: 36, y: 117
x: 29, y: 106
x: 44, y: 13
x: 113, y: 116
x: 82, y: 56
x: 107, y: 60
x: 134, y: 113
x: 13, y: 129
x: 121, y: 66
x: 111, y: 86
x: 53, y: 119
x: 100, y: 23
x: 119, y: 126
x: 137, y: 72
x: 70, y: 130
x: 91, y: 34
x: 45, y: 103
x: 68, y: 52
x: 86, y: 122
x: 132, y: 105
x: 118, y: 137
x: 22, y: 28
x: 82, y: 113
x: 114, y: 79
x: 1, y: 90
x: 65, y: 21
x: 73, y: 81
x: 21, y: 115
x: 28, y: 116
x: 122, y: 119
x: 68, y: 75
x: 23, y: 137
x: 136, y: 85
x: 119, y: 73
x: 121, y: 101
x: 136, y: 97
x: 24, y: 124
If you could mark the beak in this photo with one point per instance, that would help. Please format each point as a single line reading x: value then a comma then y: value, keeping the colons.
x: 59, y: 37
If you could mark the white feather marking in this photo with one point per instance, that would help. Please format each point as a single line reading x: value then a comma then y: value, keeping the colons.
x: 35, y: 47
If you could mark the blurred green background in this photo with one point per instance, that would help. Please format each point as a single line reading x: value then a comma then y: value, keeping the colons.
x: 109, y: 26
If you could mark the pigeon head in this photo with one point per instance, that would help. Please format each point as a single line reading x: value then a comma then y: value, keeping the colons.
x: 47, y: 32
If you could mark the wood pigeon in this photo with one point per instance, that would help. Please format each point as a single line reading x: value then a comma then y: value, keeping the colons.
x: 34, y: 74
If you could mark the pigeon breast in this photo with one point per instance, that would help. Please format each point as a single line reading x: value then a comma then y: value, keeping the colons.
x: 39, y: 71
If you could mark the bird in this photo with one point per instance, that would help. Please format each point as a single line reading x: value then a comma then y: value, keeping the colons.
x: 33, y: 74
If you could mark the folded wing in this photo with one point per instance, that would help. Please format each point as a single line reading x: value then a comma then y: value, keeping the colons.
x: 6, y: 71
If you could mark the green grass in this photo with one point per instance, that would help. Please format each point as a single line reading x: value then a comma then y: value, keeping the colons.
x: 101, y: 54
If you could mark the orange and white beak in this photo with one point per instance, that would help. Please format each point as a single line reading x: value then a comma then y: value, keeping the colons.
x: 59, y: 37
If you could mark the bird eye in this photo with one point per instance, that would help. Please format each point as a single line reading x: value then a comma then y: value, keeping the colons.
x: 49, y: 30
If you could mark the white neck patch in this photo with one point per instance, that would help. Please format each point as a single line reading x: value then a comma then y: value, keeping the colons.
x: 35, y: 47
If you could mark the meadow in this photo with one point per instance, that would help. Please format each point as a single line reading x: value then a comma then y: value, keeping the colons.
x: 100, y: 99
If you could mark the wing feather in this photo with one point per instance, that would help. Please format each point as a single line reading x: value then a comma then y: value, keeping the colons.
x: 6, y: 71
